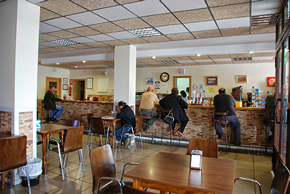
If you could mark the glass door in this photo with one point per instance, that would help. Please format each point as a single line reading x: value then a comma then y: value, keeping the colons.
x: 278, y: 101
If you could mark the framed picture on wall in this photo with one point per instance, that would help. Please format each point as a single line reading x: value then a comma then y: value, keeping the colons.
x: 90, y: 83
x: 65, y: 86
x: 65, y: 80
x: 241, y: 79
x: 211, y: 80
x: 149, y: 80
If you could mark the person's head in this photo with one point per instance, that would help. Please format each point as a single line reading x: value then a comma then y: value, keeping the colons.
x: 174, y: 91
x: 222, y: 91
x: 187, y: 89
x: 150, y: 89
x: 183, y: 94
x: 52, y: 89
x: 121, y: 104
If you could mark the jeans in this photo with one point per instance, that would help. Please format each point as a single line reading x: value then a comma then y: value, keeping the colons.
x: 149, y: 122
x: 236, y: 126
x: 118, y: 132
x: 59, y: 112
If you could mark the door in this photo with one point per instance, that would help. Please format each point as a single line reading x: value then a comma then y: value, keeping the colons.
x: 181, y: 83
x: 79, y: 89
x: 56, y: 82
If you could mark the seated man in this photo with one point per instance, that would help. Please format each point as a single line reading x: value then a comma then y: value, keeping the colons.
x: 49, y: 103
x: 270, y: 110
x: 224, y: 102
x: 127, y: 117
x: 147, y: 102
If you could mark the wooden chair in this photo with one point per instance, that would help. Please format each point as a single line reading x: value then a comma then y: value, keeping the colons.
x: 280, y: 181
x: 98, y: 128
x: 104, y: 171
x: 72, y: 123
x: 89, y: 115
x: 139, y: 129
x: 73, y: 142
x: 13, y: 156
x: 225, y: 123
x: 208, y: 148
x: 148, y: 117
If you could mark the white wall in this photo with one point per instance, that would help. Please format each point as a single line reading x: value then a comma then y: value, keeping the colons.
x: 43, y: 72
x: 257, y: 74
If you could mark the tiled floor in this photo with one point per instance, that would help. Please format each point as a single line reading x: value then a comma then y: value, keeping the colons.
x: 76, y: 181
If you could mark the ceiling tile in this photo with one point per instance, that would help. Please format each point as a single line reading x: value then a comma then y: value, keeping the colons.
x: 224, y: 62
x: 181, y: 58
x: 87, y: 18
x: 234, y: 22
x: 49, y: 50
x: 35, y: 1
x: 127, y: 1
x: 206, y: 63
x: 145, y: 8
x: 242, y: 62
x: 122, y: 35
x: 45, y: 28
x: 263, y: 61
x: 273, y: 54
x: 46, y: 15
x: 114, y: 42
x: 235, y: 31
x: 163, y: 59
x: 106, y: 27
x: 241, y: 55
x: 110, y: 13
x: 157, y: 39
x: 83, y: 31
x: 66, y: 48
x: 213, y: 3
x: 185, y: 61
x: 172, y: 29
x: 219, y: 56
x: 200, y: 26
x: 202, y: 60
x: 263, y: 29
x: 63, y: 34
x: 182, y: 5
x: 82, y: 39
x: 180, y: 36
x: 42, y: 47
x: 135, y: 41
x: 80, y: 46
x: 63, y: 23
x: 262, y: 58
x: 190, y: 64
x: 63, y: 7
x: 200, y: 57
x: 197, y: 15
x: 146, y: 60
x: 207, y: 34
x: 48, y: 44
x: 265, y: 8
x: 161, y: 20
x: 92, y: 4
x: 231, y: 11
x: 223, y: 59
x: 130, y: 24
x: 100, y: 37
x: 95, y: 44
x: 47, y: 38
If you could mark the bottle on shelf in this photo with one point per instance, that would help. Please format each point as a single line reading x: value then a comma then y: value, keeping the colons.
x: 211, y: 101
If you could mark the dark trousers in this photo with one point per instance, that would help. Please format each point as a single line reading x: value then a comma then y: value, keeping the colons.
x: 236, y: 126
x: 182, y: 126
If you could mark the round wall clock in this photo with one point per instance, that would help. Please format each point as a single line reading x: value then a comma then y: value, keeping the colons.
x: 164, y: 77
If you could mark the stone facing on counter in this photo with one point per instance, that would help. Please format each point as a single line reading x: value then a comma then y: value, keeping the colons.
x: 25, y: 128
x: 5, y: 121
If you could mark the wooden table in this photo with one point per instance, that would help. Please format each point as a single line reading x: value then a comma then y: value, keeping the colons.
x: 170, y: 172
x: 45, y: 131
x: 112, y: 122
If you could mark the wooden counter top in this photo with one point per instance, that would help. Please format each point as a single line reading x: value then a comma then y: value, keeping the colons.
x: 88, y: 101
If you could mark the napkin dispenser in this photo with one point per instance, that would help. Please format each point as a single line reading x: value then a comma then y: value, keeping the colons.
x: 196, y: 159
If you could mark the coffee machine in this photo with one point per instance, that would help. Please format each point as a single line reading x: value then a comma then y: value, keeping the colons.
x: 237, y: 94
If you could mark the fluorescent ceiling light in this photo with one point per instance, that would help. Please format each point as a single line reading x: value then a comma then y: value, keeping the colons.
x: 144, y: 32
x: 65, y: 42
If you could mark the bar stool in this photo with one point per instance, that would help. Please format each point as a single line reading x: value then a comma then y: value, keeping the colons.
x: 224, y: 123
x: 148, y: 117
x: 163, y: 115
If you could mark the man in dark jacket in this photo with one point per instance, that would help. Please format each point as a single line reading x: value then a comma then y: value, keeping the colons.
x: 49, y: 103
x: 224, y: 102
x: 177, y: 105
x: 127, y: 117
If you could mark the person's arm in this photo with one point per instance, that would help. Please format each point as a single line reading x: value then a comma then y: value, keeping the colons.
x: 182, y: 103
x: 155, y: 100
x: 54, y: 97
x: 161, y: 102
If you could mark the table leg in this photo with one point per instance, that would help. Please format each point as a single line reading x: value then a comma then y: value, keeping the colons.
x: 43, y: 153
x: 61, y: 138
x: 114, y: 136
x: 2, y: 180
x: 136, y: 184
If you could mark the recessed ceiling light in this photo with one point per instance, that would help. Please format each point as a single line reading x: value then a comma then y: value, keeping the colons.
x: 144, y: 32
x: 76, y: 66
x: 57, y: 63
x: 84, y: 61
x: 153, y: 57
x: 251, y: 52
x: 198, y: 54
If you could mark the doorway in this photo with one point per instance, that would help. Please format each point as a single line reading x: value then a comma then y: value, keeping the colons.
x: 55, y: 82
x: 79, y: 89
x: 181, y: 83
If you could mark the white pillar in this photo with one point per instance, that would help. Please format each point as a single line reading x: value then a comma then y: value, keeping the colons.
x: 125, y: 75
x: 19, y: 31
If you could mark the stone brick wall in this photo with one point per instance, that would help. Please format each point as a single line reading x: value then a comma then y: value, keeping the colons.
x: 26, y: 128
x: 5, y: 121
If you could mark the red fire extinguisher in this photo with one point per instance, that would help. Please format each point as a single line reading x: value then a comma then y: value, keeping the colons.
x: 69, y: 91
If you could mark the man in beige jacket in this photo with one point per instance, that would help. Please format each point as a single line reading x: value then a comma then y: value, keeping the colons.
x: 148, y: 101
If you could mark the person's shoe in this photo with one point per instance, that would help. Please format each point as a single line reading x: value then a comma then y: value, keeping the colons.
x: 180, y: 134
x: 144, y: 126
x: 238, y: 144
x: 173, y: 132
x: 127, y: 143
x: 220, y: 136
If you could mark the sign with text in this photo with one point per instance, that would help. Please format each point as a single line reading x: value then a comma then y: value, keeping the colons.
x: 271, y: 81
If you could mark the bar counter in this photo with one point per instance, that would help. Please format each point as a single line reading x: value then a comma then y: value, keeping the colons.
x: 200, y: 123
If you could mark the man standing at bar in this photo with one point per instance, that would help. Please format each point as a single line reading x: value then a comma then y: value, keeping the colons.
x: 49, y: 103
x: 224, y: 102
x: 148, y: 100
